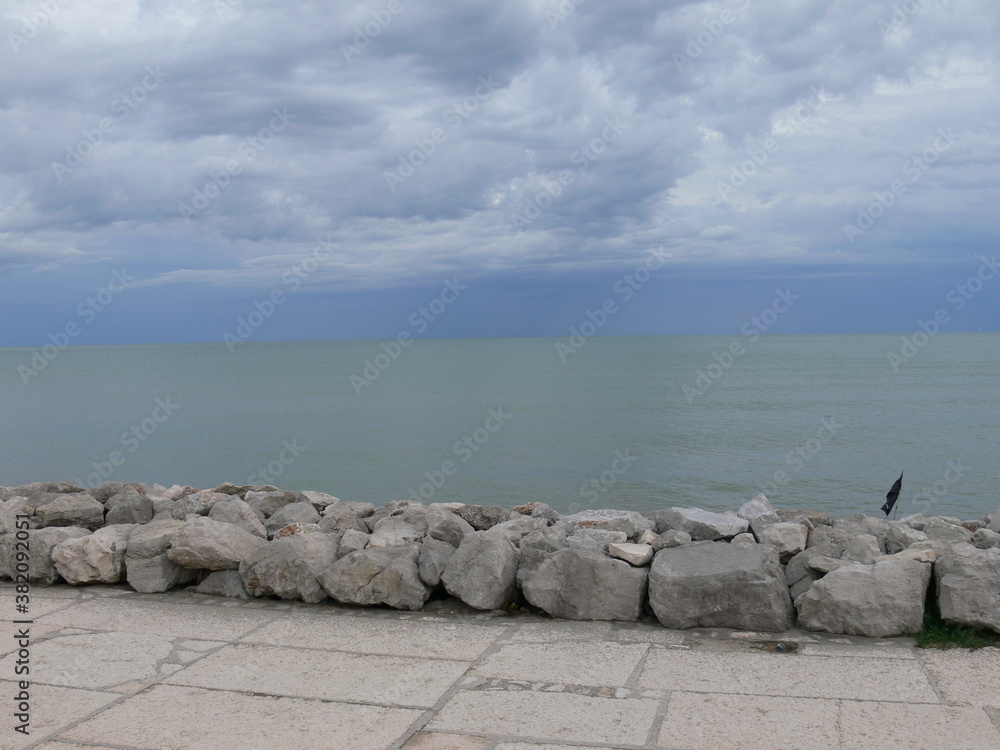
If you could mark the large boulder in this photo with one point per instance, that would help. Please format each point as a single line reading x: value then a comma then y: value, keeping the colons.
x: 968, y: 586
x: 704, y: 525
x: 985, y: 539
x: 318, y: 500
x: 223, y: 583
x: 715, y: 584
x: 288, y: 567
x: 384, y: 575
x: 266, y: 502
x: 759, y: 513
x: 535, y: 549
x: 434, y: 557
x: 41, y: 570
x: 788, y: 538
x: 130, y: 504
x: 197, y: 504
x: 291, y: 513
x: 483, y: 571
x: 900, y: 536
x: 10, y: 509
x: 881, y: 600
x: 96, y: 558
x: 595, y: 540
x: 859, y: 523
x: 204, y: 544
x: 995, y: 522
x: 339, y: 518
x: 482, y: 517
x: 72, y: 510
x: 236, y: 511
x: 583, y: 585
x: 147, y: 568
x: 627, y: 521
x: 937, y: 528
x: 394, y: 530
x: 447, y: 526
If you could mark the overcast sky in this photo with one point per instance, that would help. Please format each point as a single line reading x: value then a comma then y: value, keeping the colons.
x: 520, y: 161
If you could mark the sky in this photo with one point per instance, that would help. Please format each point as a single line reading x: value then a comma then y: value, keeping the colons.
x: 252, y: 170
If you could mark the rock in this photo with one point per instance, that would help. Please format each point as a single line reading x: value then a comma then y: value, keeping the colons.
x: 859, y: 523
x: 912, y: 553
x: 863, y: 548
x: 204, y: 544
x: 266, y: 502
x: 517, y: 528
x: 72, y: 510
x: 914, y: 521
x: 287, y: 567
x: 384, y: 575
x: 291, y: 513
x: 300, y: 528
x: 744, y: 538
x: 629, y: 522
x: 633, y: 554
x: 41, y: 542
x: 136, y: 509
x: 147, y: 567
x: 583, y: 585
x: 394, y: 530
x: 881, y: 600
x: 788, y: 538
x: 968, y: 587
x: 538, y: 510
x: 535, y: 549
x: 482, y: 517
x: 704, y: 525
x: 352, y: 541
x: 823, y: 565
x: 995, y: 522
x: 96, y: 558
x: 827, y: 536
x: 759, y: 513
x: 318, y: 500
x: 937, y: 528
x: 900, y: 536
x: 447, y: 526
x: 394, y: 508
x: 672, y: 538
x: 9, y: 511
x: 816, y: 518
x: 196, y: 504
x: 647, y: 537
x: 985, y: 539
x: 659, y: 519
x: 595, y: 540
x: 483, y: 570
x: 801, y: 586
x: 228, y: 488
x: 339, y: 518
x: 799, y: 568
x: 162, y: 506
x: 223, y: 583
x: 178, y: 491
x: 434, y: 557
x: 237, y: 512
x: 715, y: 584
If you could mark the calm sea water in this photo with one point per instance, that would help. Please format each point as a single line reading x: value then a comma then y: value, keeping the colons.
x: 814, y: 421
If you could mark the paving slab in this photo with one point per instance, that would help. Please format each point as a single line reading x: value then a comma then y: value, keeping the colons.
x: 869, y: 725
x: 581, y: 663
x: 708, y: 721
x: 562, y: 630
x: 548, y: 716
x: 968, y: 678
x: 329, y: 675
x: 180, y: 718
x: 442, y: 741
x: 52, y: 709
x: 794, y: 675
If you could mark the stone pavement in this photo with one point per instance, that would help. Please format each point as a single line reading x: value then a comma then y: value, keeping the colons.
x: 112, y: 668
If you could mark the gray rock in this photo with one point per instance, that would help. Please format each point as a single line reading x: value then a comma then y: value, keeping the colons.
x: 968, y: 587
x: 582, y: 585
x: 223, y: 583
x: 156, y: 574
x: 196, y: 504
x: 483, y: 571
x: 629, y: 522
x: 788, y: 538
x: 863, y: 548
x: 878, y: 601
x: 937, y: 528
x: 318, y: 500
x: 914, y: 521
x: 759, y: 513
x: 659, y: 519
x: 266, y: 502
x: 397, y: 508
x: 634, y: 554
x: 384, y: 575
x: 995, y: 522
x: 482, y: 517
x: 434, y: 557
x: 859, y: 523
x: 126, y: 493
x: 204, y: 544
x: 704, y: 525
x: 237, y: 512
x: 394, y: 530
x: 538, y: 510
x: 595, y: 540
x: 816, y: 518
x: 41, y: 542
x: 72, y: 510
x: 985, y: 539
x: 107, y: 490
x: 288, y: 567
x: 801, y: 565
x: 744, y: 538
x: 299, y: 528
x: 715, y: 584
x: 9, y: 511
x: 352, y: 541
x: 672, y: 538
x: 535, y: 548
x: 96, y: 558
x: 801, y: 586
x: 129, y: 506
x: 517, y: 528
x: 177, y: 491
x: 339, y: 518
x: 828, y: 536
x: 900, y: 536
x: 291, y: 513
x: 447, y: 526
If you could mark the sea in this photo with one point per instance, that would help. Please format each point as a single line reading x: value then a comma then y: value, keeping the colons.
x: 825, y: 422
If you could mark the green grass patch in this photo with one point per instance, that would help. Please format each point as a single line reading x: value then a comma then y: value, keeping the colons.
x: 937, y: 633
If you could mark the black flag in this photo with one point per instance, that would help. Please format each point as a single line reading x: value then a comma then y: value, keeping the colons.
x: 891, y: 495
